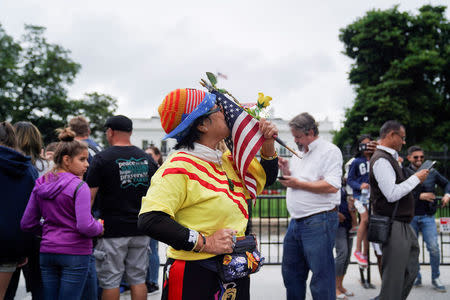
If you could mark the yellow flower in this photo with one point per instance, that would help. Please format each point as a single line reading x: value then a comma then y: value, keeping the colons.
x: 263, y: 101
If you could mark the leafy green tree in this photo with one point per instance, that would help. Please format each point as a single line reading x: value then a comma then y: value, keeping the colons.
x: 34, y: 78
x: 9, y: 58
x: 96, y: 108
x: 400, y: 71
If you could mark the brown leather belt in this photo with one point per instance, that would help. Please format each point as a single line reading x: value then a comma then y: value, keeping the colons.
x: 322, y: 212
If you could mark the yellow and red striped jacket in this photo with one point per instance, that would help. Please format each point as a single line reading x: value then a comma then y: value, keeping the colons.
x: 197, y: 194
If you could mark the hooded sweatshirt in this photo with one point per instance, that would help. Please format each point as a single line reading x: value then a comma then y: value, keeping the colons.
x: 17, y: 176
x: 68, y: 226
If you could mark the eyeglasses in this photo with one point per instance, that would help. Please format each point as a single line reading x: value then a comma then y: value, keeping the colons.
x: 417, y: 157
x: 402, y: 137
x: 214, y: 110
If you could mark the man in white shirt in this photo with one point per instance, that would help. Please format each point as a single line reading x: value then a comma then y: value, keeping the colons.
x: 313, y: 193
x: 389, y: 186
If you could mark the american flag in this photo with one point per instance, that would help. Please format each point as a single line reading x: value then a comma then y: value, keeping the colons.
x: 245, y: 141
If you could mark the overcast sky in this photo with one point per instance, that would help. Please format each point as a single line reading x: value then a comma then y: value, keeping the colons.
x: 138, y: 51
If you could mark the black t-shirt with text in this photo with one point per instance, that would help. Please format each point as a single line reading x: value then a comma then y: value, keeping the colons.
x: 122, y: 175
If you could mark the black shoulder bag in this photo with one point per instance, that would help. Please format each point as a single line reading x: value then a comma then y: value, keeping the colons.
x: 380, y: 226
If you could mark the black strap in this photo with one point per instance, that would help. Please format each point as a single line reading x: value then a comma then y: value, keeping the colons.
x: 76, y: 190
x: 393, y: 213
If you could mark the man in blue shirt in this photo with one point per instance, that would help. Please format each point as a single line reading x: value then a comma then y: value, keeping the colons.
x: 425, y: 208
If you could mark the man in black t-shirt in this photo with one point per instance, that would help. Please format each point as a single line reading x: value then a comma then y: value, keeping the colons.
x: 120, y: 177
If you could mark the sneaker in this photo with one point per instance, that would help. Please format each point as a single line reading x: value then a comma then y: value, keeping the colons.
x: 417, y: 282
x: 438, y: 286
x: 361, y: 259
x: 152, y: 288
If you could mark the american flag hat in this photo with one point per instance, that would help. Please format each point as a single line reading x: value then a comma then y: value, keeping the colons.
x: 180, y: 108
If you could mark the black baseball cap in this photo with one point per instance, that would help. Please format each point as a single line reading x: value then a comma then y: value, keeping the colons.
x: 120, y: 123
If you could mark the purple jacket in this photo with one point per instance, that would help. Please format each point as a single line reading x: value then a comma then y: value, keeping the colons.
x: 68, y: 226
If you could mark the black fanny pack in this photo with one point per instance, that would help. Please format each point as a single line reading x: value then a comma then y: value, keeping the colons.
x: 245, y: 260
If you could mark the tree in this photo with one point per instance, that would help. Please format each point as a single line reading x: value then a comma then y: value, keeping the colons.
x: 96, y: 108
x: 34, y: 81
x: 400, y: 71
x: 9, y: 58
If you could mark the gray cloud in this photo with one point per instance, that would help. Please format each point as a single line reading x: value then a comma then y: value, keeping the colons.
x: 139, y: 51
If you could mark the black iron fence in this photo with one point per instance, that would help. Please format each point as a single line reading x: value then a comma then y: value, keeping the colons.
x: 270, y: 219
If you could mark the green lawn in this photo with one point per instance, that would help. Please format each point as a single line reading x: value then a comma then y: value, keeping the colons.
x: 270, y: 206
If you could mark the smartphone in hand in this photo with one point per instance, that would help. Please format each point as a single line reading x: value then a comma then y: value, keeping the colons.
x: 428, y: 164
x: 281, y: 177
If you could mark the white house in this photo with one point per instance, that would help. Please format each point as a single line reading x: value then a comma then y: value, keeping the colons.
x: 148, y: 131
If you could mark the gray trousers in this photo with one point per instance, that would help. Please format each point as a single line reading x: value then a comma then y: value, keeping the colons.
x: 399, y: 262
x: 343, y: 247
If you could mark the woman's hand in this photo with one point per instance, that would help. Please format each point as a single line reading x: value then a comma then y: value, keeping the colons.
x: 268, y: 130
x: 220, y: 242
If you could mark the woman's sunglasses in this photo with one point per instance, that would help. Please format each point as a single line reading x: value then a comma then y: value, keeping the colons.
x: 214, y: 110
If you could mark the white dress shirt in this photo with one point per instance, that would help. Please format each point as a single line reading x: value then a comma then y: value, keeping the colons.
x: 323, y: 161
x: 385, y: 176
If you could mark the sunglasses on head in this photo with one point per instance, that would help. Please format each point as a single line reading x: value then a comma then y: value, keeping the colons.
x: 214, y: 110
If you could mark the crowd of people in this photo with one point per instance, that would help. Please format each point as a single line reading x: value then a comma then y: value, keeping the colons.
x: 64, y: 211
x: 87, y: 221
x: 323, y: 212
x: 82, y: 222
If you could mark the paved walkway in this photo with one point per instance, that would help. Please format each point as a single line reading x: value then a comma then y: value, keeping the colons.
x: 268, y: 285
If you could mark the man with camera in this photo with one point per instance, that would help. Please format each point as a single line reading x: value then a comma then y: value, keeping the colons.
x: 388, y: 187
x: 425, y: 208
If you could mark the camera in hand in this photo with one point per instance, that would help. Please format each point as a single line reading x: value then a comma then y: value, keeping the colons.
x: 362, y: 147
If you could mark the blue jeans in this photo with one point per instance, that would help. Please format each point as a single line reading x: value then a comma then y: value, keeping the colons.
x: 90, y: 291
x: 308, y: 245
x: 427, y: 226
x: 153, y: 265
x: 63, y: 275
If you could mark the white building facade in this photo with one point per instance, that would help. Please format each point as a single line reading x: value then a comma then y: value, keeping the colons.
x: 148, y: 131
